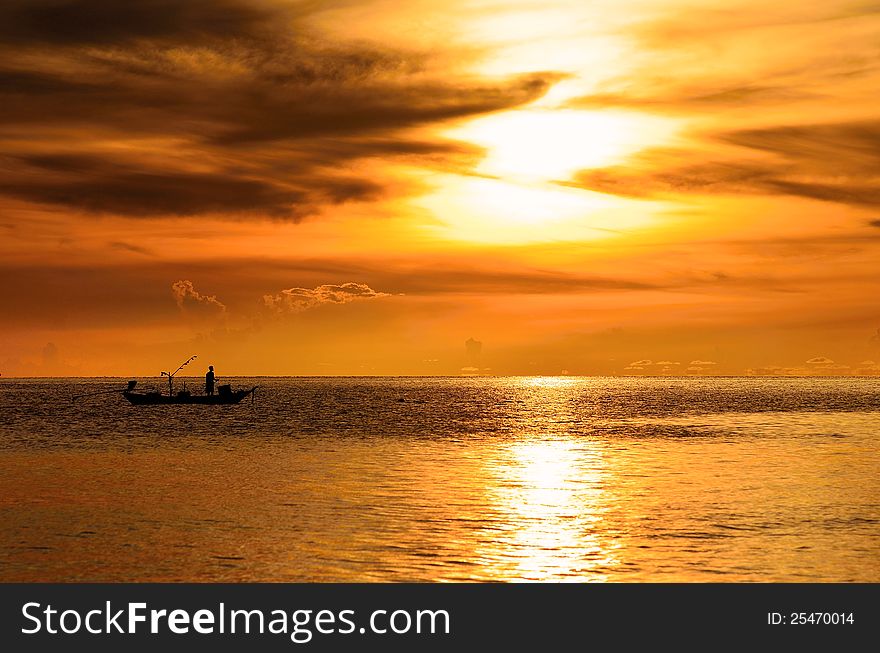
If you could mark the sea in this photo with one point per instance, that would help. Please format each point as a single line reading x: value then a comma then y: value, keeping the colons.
x: 444, y: 479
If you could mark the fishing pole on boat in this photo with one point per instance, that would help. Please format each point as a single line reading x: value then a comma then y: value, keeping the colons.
x: 93, y: 394
x: 170, y: 375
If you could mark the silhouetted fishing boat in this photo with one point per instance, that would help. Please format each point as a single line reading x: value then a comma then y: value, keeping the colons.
x: 225, y: 395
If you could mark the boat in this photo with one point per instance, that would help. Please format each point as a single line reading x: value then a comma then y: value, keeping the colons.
x: 225, y: 395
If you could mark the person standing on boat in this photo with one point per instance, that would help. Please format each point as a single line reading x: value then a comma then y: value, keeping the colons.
x: 209, y: 381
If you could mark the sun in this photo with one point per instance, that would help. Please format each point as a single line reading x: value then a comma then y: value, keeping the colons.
x: 532, y: 145
x: 494, y: 211
x: 515, y: 194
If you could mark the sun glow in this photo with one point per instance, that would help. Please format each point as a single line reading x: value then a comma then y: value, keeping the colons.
x: 488, y: 210
x: 545, y: 145
x: 496, y: 211
x: 515, y: 195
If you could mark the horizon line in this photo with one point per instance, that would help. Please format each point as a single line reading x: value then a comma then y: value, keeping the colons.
x: 465, y: 376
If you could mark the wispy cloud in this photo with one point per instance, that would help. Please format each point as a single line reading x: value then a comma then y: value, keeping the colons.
x: 296, y: 300
x: 192, y: 302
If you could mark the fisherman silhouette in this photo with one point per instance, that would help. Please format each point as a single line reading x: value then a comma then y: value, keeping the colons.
x: 209, y: 380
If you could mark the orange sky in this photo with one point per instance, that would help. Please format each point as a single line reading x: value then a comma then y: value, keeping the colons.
x: 307, y: 187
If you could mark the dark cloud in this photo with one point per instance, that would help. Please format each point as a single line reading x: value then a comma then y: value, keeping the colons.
x: 95, y: 185
x: 662, y: 171
x: 33, y: 84
x: 261, y: 115
x: 299, y: 113
x: 79, y: 22
x: 854, y: 193
x: 321, y: 93
x: 846, y: 146
x: 828, y: 162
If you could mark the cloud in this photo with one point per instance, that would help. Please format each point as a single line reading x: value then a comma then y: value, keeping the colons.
x: 105, y: 186
x: 661, y: 99
x: 96, y: 22
x: 722, y: 64
x: 193, y: 303
x: 774, y: 370
x: 226, y: 107
x: 826, y: 162
x: 823, y: 365
x: 662, y: 171
x: 450, y: 279
x: 699, y: 366
x: 666, y: 366
x: 867, y: 368
x: 129, y: 247
x: 771, y: 120
x: 712, y: 23
x: 828, y: 147
x: 296, y: 300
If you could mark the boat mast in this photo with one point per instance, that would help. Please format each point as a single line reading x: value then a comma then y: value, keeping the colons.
x: 170, y: 375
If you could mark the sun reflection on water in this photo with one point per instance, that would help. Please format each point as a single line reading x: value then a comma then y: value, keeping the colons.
x: 552, y: 494
x: 552, y: 381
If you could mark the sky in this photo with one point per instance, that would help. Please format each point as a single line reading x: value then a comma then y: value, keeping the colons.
x: 633, y: 187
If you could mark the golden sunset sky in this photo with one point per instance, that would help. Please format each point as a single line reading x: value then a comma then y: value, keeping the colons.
x: 323, y: 187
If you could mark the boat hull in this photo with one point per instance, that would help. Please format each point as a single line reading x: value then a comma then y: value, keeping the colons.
x: 157, y: 399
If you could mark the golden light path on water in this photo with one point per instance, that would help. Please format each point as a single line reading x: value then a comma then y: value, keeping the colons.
x: 554, y: 491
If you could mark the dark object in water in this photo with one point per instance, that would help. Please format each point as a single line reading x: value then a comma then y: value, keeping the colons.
x: 225, y: 395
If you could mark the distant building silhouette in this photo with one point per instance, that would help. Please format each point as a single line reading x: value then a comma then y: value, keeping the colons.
x: 474, y: 349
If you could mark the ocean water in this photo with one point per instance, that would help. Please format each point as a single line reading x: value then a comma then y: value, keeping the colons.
x: 445, y: 479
